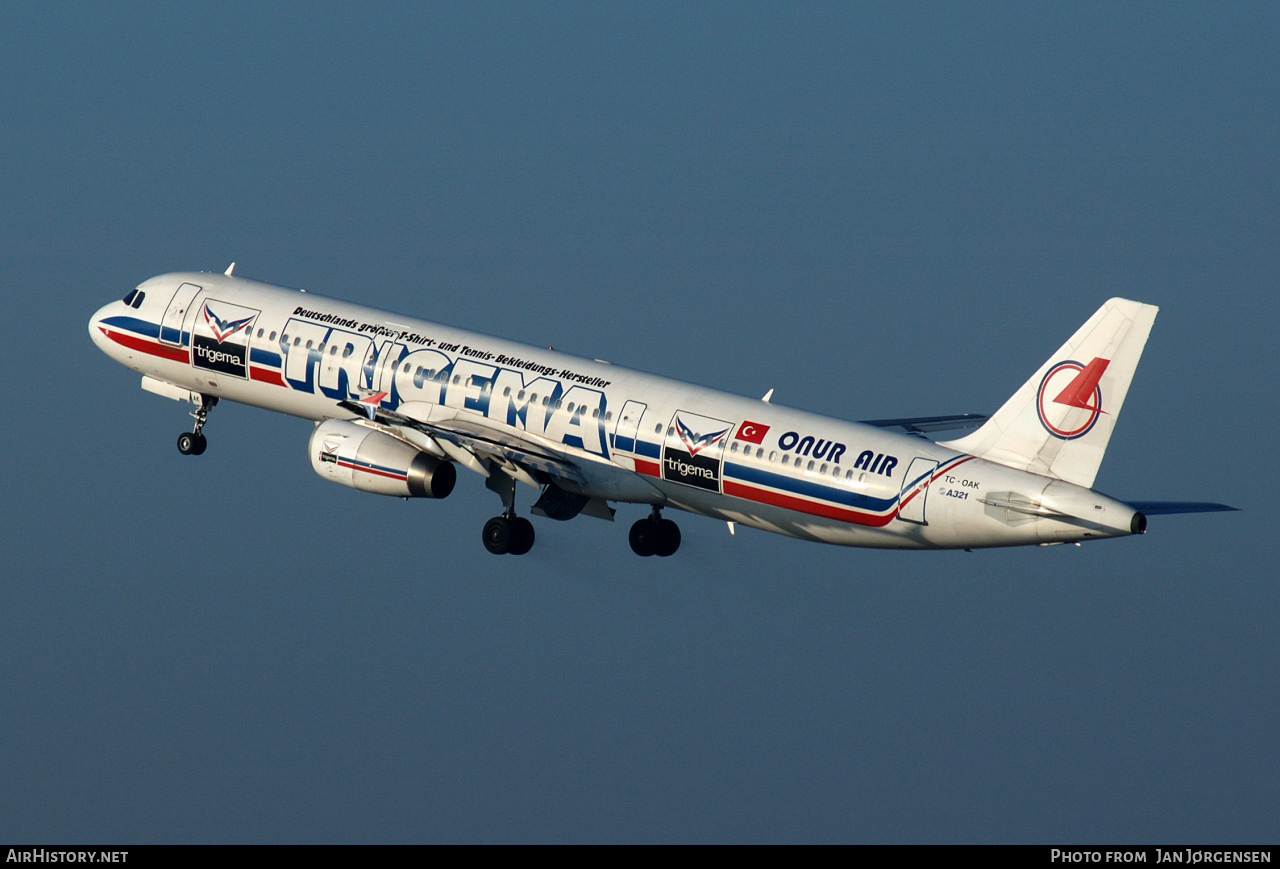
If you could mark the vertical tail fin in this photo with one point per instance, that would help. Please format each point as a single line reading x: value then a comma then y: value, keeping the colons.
x: 1059, y: 422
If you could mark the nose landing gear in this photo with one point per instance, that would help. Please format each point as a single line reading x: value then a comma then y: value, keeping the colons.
x: 193, y: 443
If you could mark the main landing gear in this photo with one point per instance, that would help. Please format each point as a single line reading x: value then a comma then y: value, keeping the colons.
x: 193, y: 443
x: 654, y: 535
x: 507, y: 534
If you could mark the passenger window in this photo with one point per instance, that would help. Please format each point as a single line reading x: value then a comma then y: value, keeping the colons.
x: 773, y: 455
x: 348, y: 350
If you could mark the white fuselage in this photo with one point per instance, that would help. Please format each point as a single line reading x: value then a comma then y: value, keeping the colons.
x: 637, y: 437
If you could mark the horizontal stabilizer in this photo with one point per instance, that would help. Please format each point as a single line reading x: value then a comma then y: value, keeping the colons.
x: 1156, y: 508
x: 925, y: 424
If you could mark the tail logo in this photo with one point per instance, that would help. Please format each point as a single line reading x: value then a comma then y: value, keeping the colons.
x: 1069, y: 400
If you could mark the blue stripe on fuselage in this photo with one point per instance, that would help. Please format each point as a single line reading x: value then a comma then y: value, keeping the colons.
x: 830, y: 494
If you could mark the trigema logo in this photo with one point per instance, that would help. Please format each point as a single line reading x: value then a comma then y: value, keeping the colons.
x: 220, y: 341
x: 693, y: 450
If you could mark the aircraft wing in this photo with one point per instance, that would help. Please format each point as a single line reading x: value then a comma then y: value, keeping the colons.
x: 920, y: 425
x: 478, y: 444
x: 472, y: 441
x: 485, y: 441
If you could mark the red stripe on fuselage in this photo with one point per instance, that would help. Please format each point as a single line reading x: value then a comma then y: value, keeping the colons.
x: 649, y: 469
x: 265, y: 375
x: 800, y: 505
x: 179, y: 354
x: 151, y: 348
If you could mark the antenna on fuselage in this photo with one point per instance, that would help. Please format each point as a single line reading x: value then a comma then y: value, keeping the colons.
x: 231, y: 268
x: 768, y: 395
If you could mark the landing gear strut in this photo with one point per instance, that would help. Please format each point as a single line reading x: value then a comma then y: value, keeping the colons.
x: 193, y: 443
x: 507, y: 534
x: 654, y: 535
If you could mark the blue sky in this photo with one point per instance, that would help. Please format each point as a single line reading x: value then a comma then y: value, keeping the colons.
x: 875, y: 210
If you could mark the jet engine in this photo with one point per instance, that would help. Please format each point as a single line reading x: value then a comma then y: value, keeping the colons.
x: 371, y: 461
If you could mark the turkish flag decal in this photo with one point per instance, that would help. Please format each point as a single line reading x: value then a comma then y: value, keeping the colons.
x: 752, y: 432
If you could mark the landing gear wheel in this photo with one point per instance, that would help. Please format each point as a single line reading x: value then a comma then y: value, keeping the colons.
x: 521, y: 536
x: 642, y: 538
x: 193, y: 443
x: 655, y: 536
x: 497, y: 535
x: 668, y: 538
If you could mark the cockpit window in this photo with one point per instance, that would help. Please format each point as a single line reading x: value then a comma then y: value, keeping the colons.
x: 128, y: 300
x: 134, y: 299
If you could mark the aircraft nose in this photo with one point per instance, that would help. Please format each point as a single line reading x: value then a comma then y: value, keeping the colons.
x: 97, y: 329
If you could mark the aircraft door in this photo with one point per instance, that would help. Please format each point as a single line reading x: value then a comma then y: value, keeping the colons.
x: 624, y: 435
x: 915, y: 489
x: 176, y: 314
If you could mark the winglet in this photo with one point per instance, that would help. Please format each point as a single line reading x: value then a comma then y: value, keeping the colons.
x: 369, y: 404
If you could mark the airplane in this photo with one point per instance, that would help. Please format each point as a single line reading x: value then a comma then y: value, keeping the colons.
x: 400, y: 403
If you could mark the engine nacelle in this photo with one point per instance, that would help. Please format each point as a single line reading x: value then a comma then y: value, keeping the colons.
x: 371, y: 461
